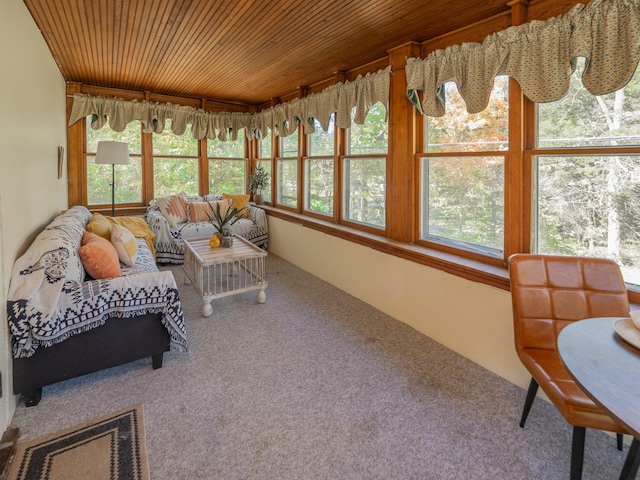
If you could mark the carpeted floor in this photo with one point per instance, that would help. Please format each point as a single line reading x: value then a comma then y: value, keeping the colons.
x: 315, y: 384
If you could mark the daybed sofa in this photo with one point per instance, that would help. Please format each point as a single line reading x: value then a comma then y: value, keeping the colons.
x: 64, y: 324
x: 172, y: 218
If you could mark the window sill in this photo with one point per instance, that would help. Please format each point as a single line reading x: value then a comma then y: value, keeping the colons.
x: 450, y: 263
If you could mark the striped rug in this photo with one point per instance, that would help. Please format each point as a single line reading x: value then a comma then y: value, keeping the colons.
x: 112, y: 447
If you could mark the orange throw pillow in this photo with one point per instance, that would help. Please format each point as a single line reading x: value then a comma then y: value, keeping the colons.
x: 99, y: 257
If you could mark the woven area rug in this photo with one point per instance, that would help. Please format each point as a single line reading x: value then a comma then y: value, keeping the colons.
x: 112, y: 447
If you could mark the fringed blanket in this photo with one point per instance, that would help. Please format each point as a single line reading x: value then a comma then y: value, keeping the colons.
x: 47, y: 303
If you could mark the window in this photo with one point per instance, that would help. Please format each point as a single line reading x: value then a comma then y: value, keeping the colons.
x: 264, y: 146
x: 319, y: 170
x: 287, y: 171
x: 264, y: 154
x: 587, y: 169
x: 266, y: 191
x: 175, y: 163
x: 288, y: 182
x: 364, y: 170
x: 462, y: 184
x: 365, y: 190
x: 128, y: 178
x: 227, y: 165
x: 322, y: 143
x: 289, y: 145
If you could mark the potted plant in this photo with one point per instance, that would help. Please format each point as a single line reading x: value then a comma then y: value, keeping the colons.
x: 222, y: 222
x: 258, y: 181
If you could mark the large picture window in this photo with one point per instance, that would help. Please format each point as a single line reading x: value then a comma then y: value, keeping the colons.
x: 587, y: 170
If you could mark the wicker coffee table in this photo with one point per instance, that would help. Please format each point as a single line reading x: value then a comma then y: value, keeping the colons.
x: 218, y: 272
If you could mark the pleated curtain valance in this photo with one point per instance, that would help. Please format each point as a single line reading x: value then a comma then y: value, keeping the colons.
x: 282, y: 119
x: 540, y: 55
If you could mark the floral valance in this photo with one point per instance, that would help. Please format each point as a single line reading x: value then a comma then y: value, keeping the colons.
x: 540, y: 55
x: 361, y: 94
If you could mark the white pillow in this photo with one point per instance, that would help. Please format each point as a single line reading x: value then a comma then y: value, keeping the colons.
x: 125, y: 244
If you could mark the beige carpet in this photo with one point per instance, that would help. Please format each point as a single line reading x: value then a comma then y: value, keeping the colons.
x: 112, y: 447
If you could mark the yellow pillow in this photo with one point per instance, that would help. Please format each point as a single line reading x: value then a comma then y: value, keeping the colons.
x: 125, y: 244
x: 239, y: 201
x: 100, y: 226
x: 99, y: 257
x: 198, y: 210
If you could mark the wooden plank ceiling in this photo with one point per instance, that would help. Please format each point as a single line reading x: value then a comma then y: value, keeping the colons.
x: 244, y: 51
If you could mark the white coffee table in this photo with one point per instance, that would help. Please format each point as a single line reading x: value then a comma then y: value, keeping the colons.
x: 218, y: 272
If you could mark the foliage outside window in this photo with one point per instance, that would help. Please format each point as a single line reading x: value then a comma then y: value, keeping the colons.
x: 227, y: 176
x: 321, y: 143
x: 289, y: 145
x: 287, y: 184
x: 319, y: 170
x: 227, y: 165
x: 128, y: 178
x: 462, y: 182
x: 227, y: 149
x: 266, y: 166
x: 463, y: 202
x: 264, y: 146
x: 319, y: 177
x: 175, y: 163
x: 365, y: 190
x: 588, y: 203
x: 365, y: 177
x: 460, y: 131
x: 372, y: 137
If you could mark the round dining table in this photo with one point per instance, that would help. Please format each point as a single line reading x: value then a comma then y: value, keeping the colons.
x: 607, y: 367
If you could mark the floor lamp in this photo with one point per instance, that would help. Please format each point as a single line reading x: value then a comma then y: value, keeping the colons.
x: 114, y: 153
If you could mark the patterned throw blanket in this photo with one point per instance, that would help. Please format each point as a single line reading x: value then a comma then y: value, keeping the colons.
x: 49, y: 300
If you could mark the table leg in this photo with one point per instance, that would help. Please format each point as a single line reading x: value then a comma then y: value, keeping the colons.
x: 630, y: 468
x: 207, y: 309
x: 262, y: 297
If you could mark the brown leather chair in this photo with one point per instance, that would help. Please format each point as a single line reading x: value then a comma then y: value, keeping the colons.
x: 549, y: 292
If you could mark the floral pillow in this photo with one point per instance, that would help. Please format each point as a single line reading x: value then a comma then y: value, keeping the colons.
x: 174, y: 208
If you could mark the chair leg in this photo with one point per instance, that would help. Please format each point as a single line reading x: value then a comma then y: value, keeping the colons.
x: 577, y: 453
x: 619, y: 441
x: 531, y: 395
x: 630, y: 468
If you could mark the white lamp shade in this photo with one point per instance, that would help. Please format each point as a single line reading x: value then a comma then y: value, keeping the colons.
x: 112, y: 153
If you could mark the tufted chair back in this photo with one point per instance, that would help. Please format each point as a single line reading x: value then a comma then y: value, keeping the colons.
x: 548, y: 292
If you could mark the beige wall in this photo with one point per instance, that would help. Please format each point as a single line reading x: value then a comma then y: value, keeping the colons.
x: 472, y: 319
x: 32, y: 126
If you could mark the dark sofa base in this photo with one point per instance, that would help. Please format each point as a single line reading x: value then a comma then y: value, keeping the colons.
x: 118, y: 341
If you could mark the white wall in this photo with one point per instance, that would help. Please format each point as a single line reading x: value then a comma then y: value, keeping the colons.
x: 32, y: 126
x: 472, y: 319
